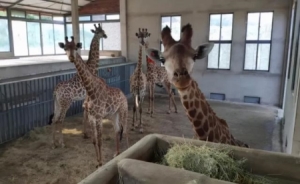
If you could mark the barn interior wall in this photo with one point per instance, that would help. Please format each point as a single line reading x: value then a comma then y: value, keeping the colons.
x: 234, y: 83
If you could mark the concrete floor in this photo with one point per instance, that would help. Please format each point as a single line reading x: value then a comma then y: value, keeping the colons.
x: 31, y: 159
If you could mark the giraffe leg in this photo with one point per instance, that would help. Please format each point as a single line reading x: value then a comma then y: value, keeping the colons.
x: 57, y: 109
x: 171, y: 96
x: 61, y: 120
x: 97, y: 139
x: 118, y: 132
x: 141, y: 123
x: 149, y: 98
x: 134, y: 112
x: 152, y: 99
x: 85, y: 121
x: 123, y: 123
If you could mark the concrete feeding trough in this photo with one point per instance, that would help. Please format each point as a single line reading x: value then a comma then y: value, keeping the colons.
x: 284, y: 167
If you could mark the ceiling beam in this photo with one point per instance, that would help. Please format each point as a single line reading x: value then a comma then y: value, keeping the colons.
x: 12, y: 4
x: 58, y: 2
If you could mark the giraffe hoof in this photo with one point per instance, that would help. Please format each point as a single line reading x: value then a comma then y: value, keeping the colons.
x: 168, y: 112
x: 85, y: 136
x: 132, y: 128
x: 99, y: 165
x: 116, y: 154
x: 141, y: 131
x: 176, y: 111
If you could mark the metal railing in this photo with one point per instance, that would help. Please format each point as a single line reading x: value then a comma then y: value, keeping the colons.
x: 27, y: 104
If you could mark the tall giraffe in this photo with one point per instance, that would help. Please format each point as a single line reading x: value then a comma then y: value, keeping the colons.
x: 157, y: 75
x: 138, y: 80
x: 72, y: 90
x: 104, y: 102
x: 179, y: 58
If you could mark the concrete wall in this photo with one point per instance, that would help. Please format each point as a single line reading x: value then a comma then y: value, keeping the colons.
x: 235, y: 83
x: 291, y: 120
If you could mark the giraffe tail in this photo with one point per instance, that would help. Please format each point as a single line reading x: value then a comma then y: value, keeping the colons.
x: 121, y: 133
x: 50, y: 119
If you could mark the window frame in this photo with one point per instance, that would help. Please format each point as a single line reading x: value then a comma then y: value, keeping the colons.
x: 40, y: 21
x: 221, y: 41
x: 171, y: 15
x: 258, y: 41
x: 291, y: 43
x: 8, y: 30
x: 93, y: 21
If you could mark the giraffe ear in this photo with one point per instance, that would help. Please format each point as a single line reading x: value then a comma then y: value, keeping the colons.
x: 203, y: 50
x: 136, y: 34
x: 155, y: 55
x: 61, y: 45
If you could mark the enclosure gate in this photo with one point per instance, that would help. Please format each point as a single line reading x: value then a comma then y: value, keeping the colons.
x: 27, y: 104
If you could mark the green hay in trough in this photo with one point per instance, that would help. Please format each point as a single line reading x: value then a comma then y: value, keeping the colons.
x: 211, y: 162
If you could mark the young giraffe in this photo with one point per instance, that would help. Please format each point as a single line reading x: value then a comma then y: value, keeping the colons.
x: 104, y: 102
x: 72, y: 90
x: 179, y: 60
x: 157, y: 75
x: 138, y: 80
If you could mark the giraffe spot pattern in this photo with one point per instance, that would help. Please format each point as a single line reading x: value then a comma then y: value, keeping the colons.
x: 204, y: 108
x: 186, y: 104
x: 200, y: 116
x: 192, y: 113
x: 200, y: 132
x: 197, y: 123
x: 197, y: 104
x: 205, y: 126
x: 211, y: 136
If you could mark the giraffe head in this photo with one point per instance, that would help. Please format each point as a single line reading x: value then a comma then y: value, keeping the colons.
x: 143, y: 36
x: 179, y: 56
x: 70, y: 47
x: 99, y: 31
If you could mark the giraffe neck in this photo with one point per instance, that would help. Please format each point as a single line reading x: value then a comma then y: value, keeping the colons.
x: 85, y: 75
x: 140, y: 59
x: 93, y: 58
x: 199, y: 111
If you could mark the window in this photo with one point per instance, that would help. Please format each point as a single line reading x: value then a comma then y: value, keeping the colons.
x: 19, y: 38
x: 58, y: 18
x: 19, y: 14
x: 220, y: 32
x: 4, y: 36
x: 3, y: 12
x: 87, y: 35
x: 34, y: 35
x: 32, y: 16
x: 113, y: 40
x: 84, y: 18
x: 98, y: 17
x: 48, y: 38
x: 113, y: 17
x: 59, y: 36
x: 174, y: 22
x: 69, y: 30
x: 258, y: 41
x: 46, y: 17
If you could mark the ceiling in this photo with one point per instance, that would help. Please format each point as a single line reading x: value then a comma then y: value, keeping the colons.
x: 51, y: 6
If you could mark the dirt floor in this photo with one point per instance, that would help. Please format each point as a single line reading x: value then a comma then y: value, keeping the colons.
x: 31, y: 159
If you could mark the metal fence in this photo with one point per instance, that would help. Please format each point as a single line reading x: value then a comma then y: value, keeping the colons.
x: 27, y: 104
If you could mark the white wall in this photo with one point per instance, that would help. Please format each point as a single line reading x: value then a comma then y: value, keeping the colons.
x: 235, y: 83
x: 291, y: 133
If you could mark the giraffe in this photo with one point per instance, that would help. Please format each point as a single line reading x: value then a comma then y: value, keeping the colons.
x: 104, y: 102
x: 157, y: 75
x: 72, y: 90
x: 138, y: 80
x: 178, y: 58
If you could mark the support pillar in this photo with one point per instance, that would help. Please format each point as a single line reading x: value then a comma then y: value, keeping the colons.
x: 75, y: 21
x: 123, y: 22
